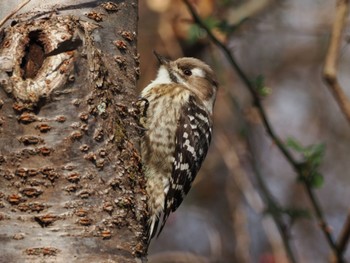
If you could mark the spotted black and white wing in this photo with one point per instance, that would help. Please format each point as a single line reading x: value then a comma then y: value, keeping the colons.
x: 192, y: 141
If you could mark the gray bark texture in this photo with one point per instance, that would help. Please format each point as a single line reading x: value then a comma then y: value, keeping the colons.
x: 71, y: 183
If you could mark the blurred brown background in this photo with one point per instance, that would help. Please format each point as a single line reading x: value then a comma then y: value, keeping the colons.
x: 223, y: 219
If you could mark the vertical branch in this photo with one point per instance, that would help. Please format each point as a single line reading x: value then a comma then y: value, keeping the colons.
x: 330, y: 76
x: 332, y: 56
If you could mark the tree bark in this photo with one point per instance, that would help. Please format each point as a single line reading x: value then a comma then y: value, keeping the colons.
x: 71, y: 184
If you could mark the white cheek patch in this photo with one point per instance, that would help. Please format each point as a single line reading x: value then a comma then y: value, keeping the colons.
x: 198, y: 72
x: 162, y: 76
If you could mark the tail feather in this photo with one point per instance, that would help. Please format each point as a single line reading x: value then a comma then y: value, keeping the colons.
x: 165, y: 217
x: 153, y: 226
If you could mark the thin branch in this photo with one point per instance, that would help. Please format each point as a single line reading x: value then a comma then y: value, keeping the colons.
x: 344, y: 235
x: 331, y: 62
x: 13, y: 12
x: 257, y: 102
x: 330, y: 76
x: 321, y: 220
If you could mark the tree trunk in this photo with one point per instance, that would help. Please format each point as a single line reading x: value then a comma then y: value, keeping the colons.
x: 71, y: 184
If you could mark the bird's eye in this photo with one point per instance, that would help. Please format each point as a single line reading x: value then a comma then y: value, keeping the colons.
x: 187, y: 72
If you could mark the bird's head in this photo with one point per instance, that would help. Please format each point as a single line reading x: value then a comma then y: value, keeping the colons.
x: 192, y: 73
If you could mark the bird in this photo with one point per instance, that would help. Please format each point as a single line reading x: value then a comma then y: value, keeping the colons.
x: 178, y: 129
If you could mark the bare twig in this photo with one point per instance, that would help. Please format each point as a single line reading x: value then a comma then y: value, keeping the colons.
x: 330, y: 76
x: 257, y: 102
x: 344, y: 235
x: 331, y: 63
x: 13, y: 12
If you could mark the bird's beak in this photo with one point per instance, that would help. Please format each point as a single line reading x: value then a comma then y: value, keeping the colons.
x: 162, y: 60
